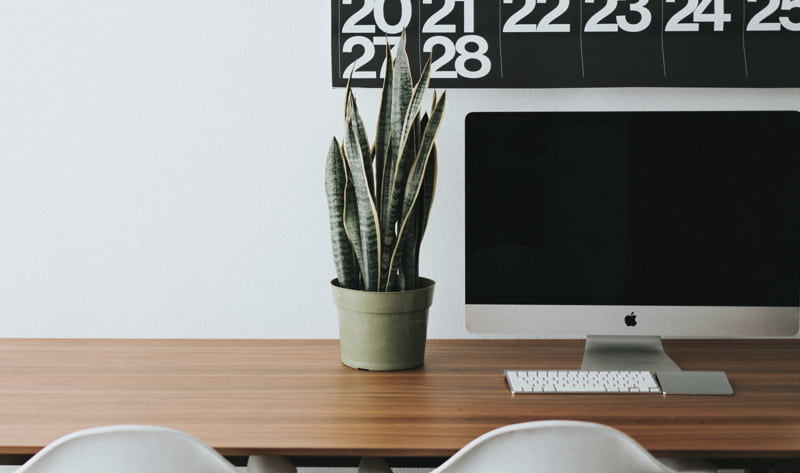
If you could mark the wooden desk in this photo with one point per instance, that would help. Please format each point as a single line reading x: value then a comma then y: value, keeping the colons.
x: 293, y: 397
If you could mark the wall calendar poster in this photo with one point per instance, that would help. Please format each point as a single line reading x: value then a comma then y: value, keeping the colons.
x: 572, y: 43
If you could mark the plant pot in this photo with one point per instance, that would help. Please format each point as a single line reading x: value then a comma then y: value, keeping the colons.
x: 383, y: 331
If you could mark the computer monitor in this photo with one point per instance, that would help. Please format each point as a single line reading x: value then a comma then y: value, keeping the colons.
x: 659, y: 223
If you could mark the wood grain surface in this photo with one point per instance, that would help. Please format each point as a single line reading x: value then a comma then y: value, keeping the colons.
x: 294, y: 397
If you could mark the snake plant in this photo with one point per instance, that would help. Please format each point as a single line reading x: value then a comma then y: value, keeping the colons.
x: 380, y: 195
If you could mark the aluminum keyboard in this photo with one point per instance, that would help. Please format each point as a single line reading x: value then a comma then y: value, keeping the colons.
x: 578, y: 381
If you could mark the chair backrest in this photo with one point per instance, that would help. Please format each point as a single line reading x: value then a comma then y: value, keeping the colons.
x: 553, y: 447
x: 127, y: 449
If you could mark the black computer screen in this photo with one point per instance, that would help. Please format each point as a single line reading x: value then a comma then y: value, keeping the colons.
x: 645, y: 208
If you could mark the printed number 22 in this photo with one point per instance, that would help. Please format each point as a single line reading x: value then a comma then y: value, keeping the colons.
x: 546, y: 24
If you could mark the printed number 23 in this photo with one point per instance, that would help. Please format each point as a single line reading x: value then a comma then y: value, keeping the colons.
x: 594, y: 24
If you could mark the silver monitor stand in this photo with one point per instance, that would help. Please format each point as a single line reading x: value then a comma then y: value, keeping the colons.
x: 646, y: 353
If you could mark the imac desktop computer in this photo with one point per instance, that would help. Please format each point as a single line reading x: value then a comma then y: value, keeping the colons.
x: 625, y: 227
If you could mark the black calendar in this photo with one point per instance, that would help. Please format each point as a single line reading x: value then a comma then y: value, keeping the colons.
x: 572, y: 43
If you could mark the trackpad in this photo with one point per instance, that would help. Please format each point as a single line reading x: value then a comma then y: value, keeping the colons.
x: 694, y: 382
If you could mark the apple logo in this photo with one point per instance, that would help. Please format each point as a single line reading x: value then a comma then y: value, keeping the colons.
x: 630, y: 320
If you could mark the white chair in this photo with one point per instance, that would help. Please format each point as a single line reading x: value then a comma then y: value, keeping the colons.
x: 139, y: 449
x: 552, y: 447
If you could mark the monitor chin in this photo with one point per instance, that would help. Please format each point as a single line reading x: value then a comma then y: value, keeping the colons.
x: 564, y: 321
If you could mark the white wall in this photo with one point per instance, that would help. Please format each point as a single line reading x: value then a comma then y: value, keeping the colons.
x: 161, y: 167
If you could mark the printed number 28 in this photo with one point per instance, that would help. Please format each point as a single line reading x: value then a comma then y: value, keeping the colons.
x: 466, y: 50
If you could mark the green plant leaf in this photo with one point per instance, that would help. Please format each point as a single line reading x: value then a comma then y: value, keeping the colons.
x: 414, y: 184
x: 383, y: 134
x: 409, y: 259
x: 402, y: 83
x: 426, y: 196
x: 335, y: 189
x: 402, y: 90
x: 396, y: 189
x: 354, y: 117
x: 407, y: 149
x: 397, y: 158
x: 415, y: 103
x: 368, y: 222
x: 352, y: 231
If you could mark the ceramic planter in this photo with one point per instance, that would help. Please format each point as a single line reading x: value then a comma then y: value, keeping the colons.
x: 383, y: 331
